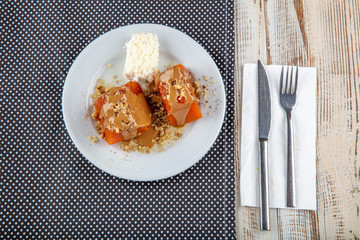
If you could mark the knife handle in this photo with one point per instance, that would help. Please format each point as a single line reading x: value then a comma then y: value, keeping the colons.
x: 264, y: 187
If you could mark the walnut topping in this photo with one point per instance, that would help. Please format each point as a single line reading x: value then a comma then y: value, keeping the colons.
x: 93, y: 139
x: 94, y: 115
x: 160, y: 123
x: 164, y: 133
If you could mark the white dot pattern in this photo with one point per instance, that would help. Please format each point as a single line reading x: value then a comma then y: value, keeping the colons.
x: 48, y: 189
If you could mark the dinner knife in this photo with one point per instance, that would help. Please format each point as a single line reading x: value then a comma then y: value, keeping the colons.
x: 264, y: 129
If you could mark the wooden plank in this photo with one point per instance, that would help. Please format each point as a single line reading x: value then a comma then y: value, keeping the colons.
x: 324, y: 34
x: 338, y: 165
x: 288, y: 24
x: 296, y: 224
x: 248, y: 218
x: 250, y: 34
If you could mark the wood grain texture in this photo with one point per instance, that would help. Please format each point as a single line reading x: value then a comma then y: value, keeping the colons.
x: 326, y: 35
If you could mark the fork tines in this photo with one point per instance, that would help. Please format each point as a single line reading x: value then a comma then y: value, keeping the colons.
x: 289, y: 87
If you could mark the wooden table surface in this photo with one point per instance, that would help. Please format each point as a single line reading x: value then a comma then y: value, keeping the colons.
x: 324, y: 34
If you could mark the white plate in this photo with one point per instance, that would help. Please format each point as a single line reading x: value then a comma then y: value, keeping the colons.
x: 91, y: 64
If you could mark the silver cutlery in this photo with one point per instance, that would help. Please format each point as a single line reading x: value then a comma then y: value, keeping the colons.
x: 288, y: 87
x: 264, y: 129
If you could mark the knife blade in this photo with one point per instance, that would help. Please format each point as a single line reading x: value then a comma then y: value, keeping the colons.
x: 264, y: 129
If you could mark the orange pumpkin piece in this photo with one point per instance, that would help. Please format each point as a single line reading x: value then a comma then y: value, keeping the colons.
x: 194, y: 113
x: 178, y: 95
x: 111, y: 136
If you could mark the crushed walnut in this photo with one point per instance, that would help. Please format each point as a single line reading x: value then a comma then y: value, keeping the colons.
x: 98, y: 92
x: 93, y: 139
x: 205, y: 91
x: 162, y: 132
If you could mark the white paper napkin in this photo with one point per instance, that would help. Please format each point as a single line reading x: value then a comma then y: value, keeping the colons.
x: 304, y: 122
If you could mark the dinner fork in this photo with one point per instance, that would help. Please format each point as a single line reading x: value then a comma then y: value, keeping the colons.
x: 288, y: 101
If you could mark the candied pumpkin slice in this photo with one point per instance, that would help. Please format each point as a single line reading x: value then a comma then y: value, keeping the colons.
x: 194, y: 113
x: 123, y: 108
x: 178, y: 95
x: 113, y: 137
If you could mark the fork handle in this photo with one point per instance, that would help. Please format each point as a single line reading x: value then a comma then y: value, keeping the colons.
x: 290, y: 163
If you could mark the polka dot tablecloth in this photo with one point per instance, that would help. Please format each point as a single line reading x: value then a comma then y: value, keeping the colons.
x: 48, y: 189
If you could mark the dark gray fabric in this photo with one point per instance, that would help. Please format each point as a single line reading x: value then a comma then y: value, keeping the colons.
x: 48, y: 189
